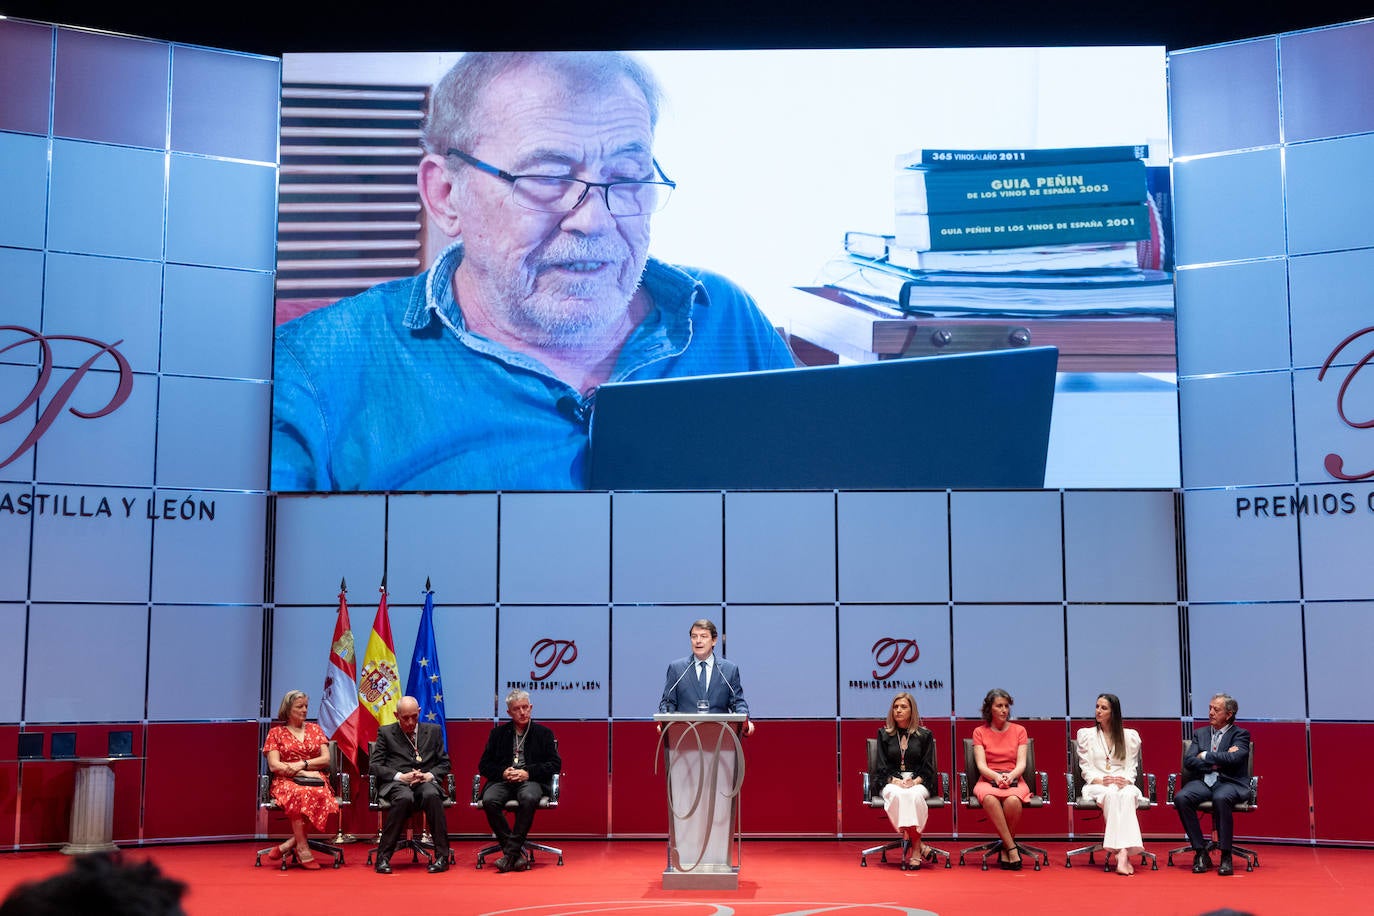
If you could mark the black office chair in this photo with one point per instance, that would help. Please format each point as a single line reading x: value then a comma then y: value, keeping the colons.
x: 548, y: 800
x: 1177, y: 781
x: 336, y: 777
x: 1040, y: 797
x: 1145, y: 782
x: 873, y: 798
x: 420, y: 843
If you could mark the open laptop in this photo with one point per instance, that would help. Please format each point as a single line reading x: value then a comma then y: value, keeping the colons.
x: 963, y: 421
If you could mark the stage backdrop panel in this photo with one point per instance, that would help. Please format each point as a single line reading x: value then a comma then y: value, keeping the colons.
x: 26, y: 67
x: 211, y: 434
x: 14, y: 545
x: 1226, y: 534
x: 892, y: 547
x: 1130, y: 650
x: 667, y: 547
x: 1335, y: 542
x: 301, y: 637
x: 644, y: 639
x: 320, y: 540
x: 1232, y: 317
x: 1203, y: 120
x: 112, y: 551
x: 206, y: 663
x: 561, y: 655
x: 1326, y: 412
x: 889, y: 648
x: 218, y: 103
x: 234, y: 536
x: 555, y: 547
x: 117, y: 450
x: 447, y: 538
x: 1019, y: 648
x: 1217, y: 412
x: 106, y: 200
x: 1329, y: 300
x: 1254, y: 652
x: 92, y: 683
x: 21, y: 296
x: 779, y: 547
x: 111, y: 88
x: 1006, y: 546
x: 13, y: 626
x: 197, y: 298
x: 1326, y: 210
x: 1228, y: 208
x: 786, y: 658
x: 1120, y: 547
x: 1337, y: 640
x: 240, y: 193
x: 24, y: 165
x: 121, y: 311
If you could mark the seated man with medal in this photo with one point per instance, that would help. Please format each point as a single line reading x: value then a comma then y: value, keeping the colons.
x: 519, y: 762
x: 412, y: 768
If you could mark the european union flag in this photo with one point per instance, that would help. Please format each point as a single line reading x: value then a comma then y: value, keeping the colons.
x: 425, y: 683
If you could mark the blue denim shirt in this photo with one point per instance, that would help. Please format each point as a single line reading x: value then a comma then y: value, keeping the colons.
x: 388, y: 390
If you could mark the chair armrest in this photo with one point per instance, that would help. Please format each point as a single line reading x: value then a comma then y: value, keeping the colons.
x: 867, y: 794
x: 451, y: 785
x: 1254, y: 790
x: 476, y: 789
x: 372, y: 799
x: 264, y: 788
x: 944, y: 786
x: 345, y: 796
x: 963, y: 788
x: 1043, y: 780
x: 1152, y: 792
x: 1070, y: 792
x: 1173, y: 786
x: 555, y: 787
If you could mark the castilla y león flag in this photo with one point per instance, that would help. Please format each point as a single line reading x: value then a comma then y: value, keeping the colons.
x: 338, y: 709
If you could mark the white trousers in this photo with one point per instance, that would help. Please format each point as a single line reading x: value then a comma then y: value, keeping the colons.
x: 1118, y: 810
x: 906, y: 807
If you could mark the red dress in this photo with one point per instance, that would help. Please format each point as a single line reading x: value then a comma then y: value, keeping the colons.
x: 314, y: 802
x: 999, y: 752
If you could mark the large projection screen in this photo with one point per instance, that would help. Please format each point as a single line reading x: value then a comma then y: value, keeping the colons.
x: 777, y: 156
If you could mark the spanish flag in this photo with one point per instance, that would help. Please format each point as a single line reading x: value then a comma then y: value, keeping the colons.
x: 379, y: 683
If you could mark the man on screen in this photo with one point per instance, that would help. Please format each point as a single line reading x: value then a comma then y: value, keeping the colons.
x: 481, y: 372
x: 1216, y: 763
x: 703, y: 683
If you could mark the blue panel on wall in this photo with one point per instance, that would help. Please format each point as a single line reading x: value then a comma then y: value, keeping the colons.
x: 110, y: 88
x: 779, y: 547
x: 786, y: 657
x: 1331, y: 300
x: 12, y: 648
x: 1229, y: 532
x: 21, y: 302
x: 1128, y: 650
x: 187, y: 679
x: 644, y: 640
x: 555, y: 547
x: 213, y: 433
x: 1329, y: 441
x: 320, y: 539
x: 86, y: 548
x: 893, y: 547
x: 104, y: 299
x: 72, y: 674
x: 1233, y: 318
x: 1316, y: 66
x: 1006, y: 547
x: 230, y: 527
x: 16, y: 523
x: 1236, y: 430
x: 1120, y: 547
x: 1267, y: 633
x: 225, y: 104
x: 25, y: 72
x: 221, y: 214
x: 1228, y: 208
x: 16, y: 385
x: 561, y: 655
x: 1330, y: 196
x: 666, y: 547
x: 889, y: 648
x: 449, y: 539
x: 469, y: 677
x: 1335, y: 534
x: 1224, y: 98
x: 1338, y: 639
x: 237, y: 304
x: 301, y: 637
x: 1024, y: 658
x: 106, y: 200
x: 114, y: 449
x: 24, y: 175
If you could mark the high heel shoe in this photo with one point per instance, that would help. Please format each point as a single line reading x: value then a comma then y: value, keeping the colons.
x: 306, y: 859
x: 276, y: 852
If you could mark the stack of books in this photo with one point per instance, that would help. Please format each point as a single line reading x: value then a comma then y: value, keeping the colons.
x: 1024, y: 231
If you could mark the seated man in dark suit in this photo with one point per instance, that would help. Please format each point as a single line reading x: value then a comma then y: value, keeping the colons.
x: 519, y: 762
x: 703, y: 683
x: 412, y: 768
x: 1216, y: 762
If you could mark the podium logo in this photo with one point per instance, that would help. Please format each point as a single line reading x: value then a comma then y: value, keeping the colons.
x: 1334, y: 463
x: 64, y: 392
x: 889, y: 654
x: 547, y: 654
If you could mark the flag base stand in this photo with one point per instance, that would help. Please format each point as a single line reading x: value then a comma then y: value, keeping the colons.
x: 342, y: 838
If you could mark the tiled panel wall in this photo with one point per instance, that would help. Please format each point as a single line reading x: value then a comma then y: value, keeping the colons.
x: 1272, y: 144
x: 137, y: 250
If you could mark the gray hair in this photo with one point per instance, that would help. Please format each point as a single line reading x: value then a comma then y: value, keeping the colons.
x: 1230, y: 703
x: 457, y: 97
x: 515, y: 696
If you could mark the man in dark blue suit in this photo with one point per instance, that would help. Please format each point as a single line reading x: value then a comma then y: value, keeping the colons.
x: 1217, y: 765
x: 703, y: 683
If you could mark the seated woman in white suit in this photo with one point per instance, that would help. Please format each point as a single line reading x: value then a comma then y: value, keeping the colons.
x: 1107, y: 755
x: 906, y: 772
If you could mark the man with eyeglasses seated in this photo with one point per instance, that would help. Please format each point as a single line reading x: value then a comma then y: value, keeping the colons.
x: 481, y: 372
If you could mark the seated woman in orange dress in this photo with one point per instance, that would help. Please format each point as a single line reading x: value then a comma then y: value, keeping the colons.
x: 999, y: 749
x: 298, y: 748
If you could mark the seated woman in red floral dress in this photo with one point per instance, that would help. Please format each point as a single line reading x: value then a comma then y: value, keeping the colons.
x: 298, y: 748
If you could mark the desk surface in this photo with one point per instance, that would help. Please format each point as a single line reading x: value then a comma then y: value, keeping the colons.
x: 829, y: 319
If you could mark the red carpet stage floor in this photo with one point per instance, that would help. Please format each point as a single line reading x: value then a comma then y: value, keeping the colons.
x: 777, y: 877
